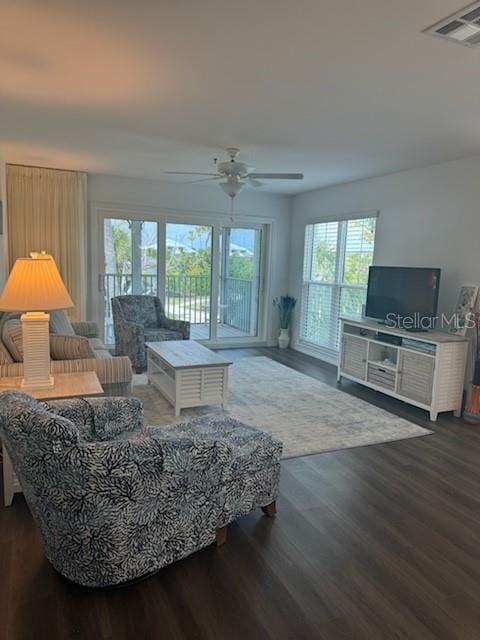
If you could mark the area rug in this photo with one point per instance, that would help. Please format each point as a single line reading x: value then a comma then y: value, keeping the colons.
x: 308, y: 416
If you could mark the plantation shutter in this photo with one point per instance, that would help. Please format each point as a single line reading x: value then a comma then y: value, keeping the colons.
x: 335, y: 274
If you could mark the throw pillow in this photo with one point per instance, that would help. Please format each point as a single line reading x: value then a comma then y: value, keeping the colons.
x: 62, y: 347
x: 5, y: 357
x: 67, y: 347
x: 113, y: 417
x: 59, y: 323
x: 12, y: 339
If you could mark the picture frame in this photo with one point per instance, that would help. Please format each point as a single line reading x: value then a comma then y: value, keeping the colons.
x: 467, y: 299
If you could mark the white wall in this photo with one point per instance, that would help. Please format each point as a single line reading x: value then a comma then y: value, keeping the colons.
x: 184, y: 198
x: 429, y: 217
x: 3, y: 237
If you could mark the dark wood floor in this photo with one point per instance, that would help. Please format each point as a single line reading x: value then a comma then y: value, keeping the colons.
x: 379, y: 542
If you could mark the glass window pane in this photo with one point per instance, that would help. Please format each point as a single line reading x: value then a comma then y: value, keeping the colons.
x: 118, y: 253
x: 130, y: 256
x: 324, y: 251
x: 351, y: 301
x: 149, y: 258
x: 319, y: 304
x: 360, y: 238
x: 239, y: 281
x: 188, y: 265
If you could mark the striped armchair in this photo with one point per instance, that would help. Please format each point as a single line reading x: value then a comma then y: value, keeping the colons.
x: 114, y: 374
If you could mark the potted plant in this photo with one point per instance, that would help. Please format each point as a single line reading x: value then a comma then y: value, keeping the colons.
x: 471, y: 413
x: 285, y: 305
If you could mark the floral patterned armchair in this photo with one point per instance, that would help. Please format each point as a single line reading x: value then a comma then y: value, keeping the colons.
x: 138, y: 319
x: 114, y: 500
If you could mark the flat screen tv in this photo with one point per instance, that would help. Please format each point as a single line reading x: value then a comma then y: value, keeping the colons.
x: 403, y: 296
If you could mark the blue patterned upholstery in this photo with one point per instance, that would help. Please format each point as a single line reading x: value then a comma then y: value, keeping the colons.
x: 250, y: 477
x: 140, y: 319
x: 157, y: 335
x: 115, y: 500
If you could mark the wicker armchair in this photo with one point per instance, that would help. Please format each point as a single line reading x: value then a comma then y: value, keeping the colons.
x: 140, y: 319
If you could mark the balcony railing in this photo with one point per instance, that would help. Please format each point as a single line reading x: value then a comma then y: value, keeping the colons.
x: 186, y: 298
x: 236, y: 303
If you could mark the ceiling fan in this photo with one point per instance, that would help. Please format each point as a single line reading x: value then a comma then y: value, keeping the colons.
x: 234, y: 175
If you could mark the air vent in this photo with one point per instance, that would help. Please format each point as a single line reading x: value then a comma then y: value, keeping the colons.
x: 463, y: 27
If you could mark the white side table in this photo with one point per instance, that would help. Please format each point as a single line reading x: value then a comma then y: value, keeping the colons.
x: 67, y: 385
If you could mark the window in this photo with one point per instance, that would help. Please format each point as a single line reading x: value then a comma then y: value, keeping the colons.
x: 335, y: 274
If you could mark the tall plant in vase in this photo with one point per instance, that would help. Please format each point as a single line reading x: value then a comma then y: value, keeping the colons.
x: 285, y: 305
x: 471, y: 413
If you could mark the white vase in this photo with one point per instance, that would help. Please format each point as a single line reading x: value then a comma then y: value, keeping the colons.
x: 283, y: 339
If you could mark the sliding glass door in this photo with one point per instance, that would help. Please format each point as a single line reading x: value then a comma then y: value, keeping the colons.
x: 207, y: 274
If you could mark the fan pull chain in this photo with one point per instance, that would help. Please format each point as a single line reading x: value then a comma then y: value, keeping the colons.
x: 232, y: 219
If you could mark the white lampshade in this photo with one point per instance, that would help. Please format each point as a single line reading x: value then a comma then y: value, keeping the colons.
x: 35, y: 284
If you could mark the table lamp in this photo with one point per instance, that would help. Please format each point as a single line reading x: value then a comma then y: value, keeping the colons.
x: 35, y: 286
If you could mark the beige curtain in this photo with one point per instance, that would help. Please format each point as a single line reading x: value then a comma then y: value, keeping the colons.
x: 46, y: 211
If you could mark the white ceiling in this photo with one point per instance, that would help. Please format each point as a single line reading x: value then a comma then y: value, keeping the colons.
x: 337, y: 90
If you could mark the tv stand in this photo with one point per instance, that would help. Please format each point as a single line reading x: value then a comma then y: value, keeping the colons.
x: 426, y: 370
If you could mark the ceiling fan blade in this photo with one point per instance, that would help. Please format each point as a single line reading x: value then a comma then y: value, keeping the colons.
x: 254, y: 183
x: 193, y: 173
x: 202, y: 180
x: 277, y: 176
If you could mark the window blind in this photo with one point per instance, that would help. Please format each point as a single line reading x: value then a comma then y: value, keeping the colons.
x: 335, y: 274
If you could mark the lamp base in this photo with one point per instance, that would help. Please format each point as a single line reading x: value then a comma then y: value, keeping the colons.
x: 36, y: 351
x: 37, y: 386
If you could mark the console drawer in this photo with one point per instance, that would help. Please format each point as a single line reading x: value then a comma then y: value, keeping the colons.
x: 380, y: 376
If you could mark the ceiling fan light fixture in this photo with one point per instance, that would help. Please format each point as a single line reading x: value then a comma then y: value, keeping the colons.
x: 232, y: 186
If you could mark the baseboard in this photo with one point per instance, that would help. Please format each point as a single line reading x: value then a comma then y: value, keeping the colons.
x: 315, y: 353
x: 234, y: 345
